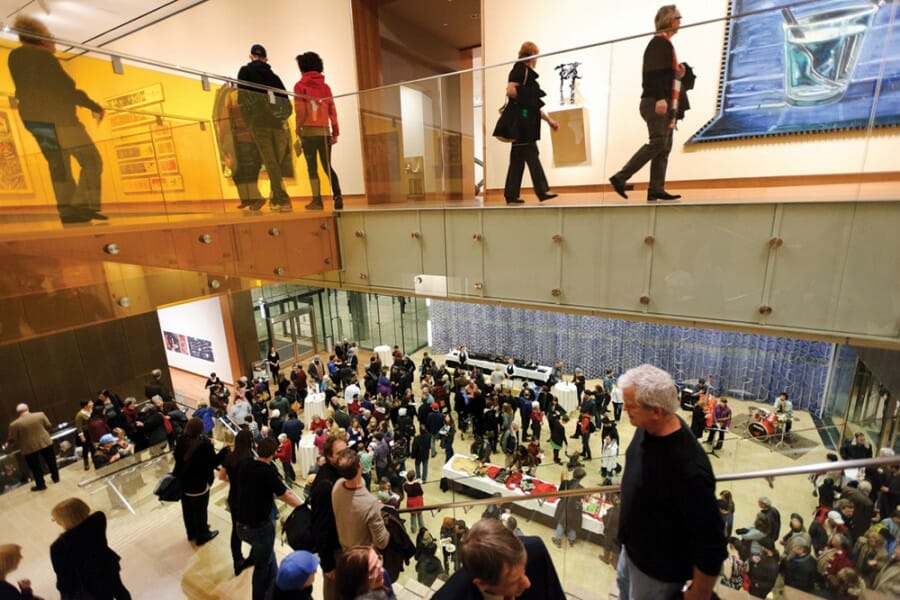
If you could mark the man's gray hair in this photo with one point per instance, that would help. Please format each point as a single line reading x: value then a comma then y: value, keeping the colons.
x: 20, y: 408
x: 156, y: 373
x: 765, y: 501
x: 865, y: 487
x: 653, y: 387
x: 664, y: 17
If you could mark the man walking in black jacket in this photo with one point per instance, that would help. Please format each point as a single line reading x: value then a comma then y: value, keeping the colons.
x: 324, y: 529
x: 267, y: 123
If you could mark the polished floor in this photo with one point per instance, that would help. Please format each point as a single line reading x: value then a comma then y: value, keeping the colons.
x: 158, y: 562
x: 43, y: 219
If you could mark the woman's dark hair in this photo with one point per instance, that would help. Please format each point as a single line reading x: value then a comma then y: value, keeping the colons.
x: 192, y: 436
x: 353, y: 572
x: 310, y: 61
x: 242, y: 450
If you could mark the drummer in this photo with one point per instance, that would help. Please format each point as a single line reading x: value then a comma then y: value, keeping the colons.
x: 785, y: 411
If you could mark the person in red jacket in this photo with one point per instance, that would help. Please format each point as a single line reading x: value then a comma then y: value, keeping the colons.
x: 285, y: 454
x: 315, y: 112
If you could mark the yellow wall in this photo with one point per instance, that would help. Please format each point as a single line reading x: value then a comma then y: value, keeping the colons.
x: 184, y: 105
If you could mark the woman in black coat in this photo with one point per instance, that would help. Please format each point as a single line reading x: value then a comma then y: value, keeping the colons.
x: 195, y: 463
x: 524, y: 91
x: 86, y: 567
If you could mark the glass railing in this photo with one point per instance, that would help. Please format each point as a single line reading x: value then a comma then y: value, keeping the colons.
x: 462, y: 490
x: 771, y: 118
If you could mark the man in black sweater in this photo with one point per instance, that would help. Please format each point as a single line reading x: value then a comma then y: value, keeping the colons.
x: 253, y: 489
x: 324, y: 529
x: 661, y: 82
x: 267, y: 123
x: 670, y: 528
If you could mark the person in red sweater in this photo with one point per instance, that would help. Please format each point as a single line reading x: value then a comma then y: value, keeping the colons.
x: 315, y: 112
x: 285, y: 454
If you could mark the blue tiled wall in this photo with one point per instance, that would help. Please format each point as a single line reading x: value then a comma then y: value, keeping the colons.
x: 762, y: 366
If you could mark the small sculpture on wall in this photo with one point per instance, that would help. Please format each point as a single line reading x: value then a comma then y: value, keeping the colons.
x: 568, y: 72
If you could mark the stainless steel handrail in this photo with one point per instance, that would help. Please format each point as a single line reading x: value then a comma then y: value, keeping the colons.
x: 842, y: 465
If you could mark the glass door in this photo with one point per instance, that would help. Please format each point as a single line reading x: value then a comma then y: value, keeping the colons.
x: 872, y: 410
x: 294, y: 335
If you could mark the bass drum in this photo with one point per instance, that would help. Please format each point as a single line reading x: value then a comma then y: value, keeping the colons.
x: 758, y: 431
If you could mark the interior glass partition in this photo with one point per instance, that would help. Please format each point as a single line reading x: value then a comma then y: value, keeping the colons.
x: 172, y: 137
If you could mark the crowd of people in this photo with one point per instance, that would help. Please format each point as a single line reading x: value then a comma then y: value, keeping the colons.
x: 376, y: 441
x: 849, y: 546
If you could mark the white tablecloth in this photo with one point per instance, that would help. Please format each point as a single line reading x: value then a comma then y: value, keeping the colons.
x: 306, y: 456
x: 314, y: 407
x: 567, y: 394
x: 384, y: 354
x: 488, y: 485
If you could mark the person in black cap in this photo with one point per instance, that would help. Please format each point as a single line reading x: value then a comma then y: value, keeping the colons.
x: 268, y: 123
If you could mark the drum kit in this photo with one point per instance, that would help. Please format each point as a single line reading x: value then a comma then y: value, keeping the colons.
x: 767, y: 425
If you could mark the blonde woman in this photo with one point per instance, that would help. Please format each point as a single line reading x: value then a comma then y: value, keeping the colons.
x: 86, y: 567
x: 10, y: 557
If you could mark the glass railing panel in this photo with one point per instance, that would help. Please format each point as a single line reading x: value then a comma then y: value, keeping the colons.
x: 416, y: 141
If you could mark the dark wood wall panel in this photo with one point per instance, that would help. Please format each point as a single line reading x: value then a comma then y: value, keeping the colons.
x: 54, y: 372
x: 104, y: 354
x: 16, y: 386
x: 242, y: 318
x: 145, y: 348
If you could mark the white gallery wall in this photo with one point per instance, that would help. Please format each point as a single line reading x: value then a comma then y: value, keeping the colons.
x: 610, y: 89
x: 193, y: 333
x: 216, y: 37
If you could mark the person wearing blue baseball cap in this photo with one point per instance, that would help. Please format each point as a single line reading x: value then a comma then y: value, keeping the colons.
x: 295, y: 576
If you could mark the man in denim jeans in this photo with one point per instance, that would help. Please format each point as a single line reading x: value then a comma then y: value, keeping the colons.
x: 670, y: 527
x: 254, y: 487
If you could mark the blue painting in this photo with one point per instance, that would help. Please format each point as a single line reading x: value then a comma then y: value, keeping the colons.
x: 803, y: 67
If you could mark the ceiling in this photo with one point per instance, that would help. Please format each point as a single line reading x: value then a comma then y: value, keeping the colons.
x: 93, y: 22
x: 456, y: 22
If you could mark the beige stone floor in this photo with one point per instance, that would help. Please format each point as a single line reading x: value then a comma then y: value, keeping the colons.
x: 157, y: 561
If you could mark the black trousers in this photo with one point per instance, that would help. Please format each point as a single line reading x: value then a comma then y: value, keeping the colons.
x: 521, y: 154
x: 194, y: 511
x: 34, y: 464
x: 317, y: 147
x: 87, y: 449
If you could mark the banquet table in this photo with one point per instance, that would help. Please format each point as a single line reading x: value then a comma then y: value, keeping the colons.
x: 384, y: 355
x: 307, y: 453
x: 314, y: 406
x: 567, y: 394
x: 589, y: 522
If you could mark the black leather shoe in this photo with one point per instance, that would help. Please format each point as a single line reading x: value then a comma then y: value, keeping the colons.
x: 662, y: 196
x: 619, y: 186
x: 212, y: 534
x: 243, y: 564
x: 547, y: 196
x: 97, y: 216
x: 38, y: 488
x: 515, y: 201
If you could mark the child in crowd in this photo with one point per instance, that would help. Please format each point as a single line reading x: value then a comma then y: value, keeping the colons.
x: 295, y: 576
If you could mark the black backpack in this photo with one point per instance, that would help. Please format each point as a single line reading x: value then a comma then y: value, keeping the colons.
x: 296, y: 529
x: 510, y: 444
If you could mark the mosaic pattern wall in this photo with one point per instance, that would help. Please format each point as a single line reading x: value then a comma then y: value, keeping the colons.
x: 751, y: 366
